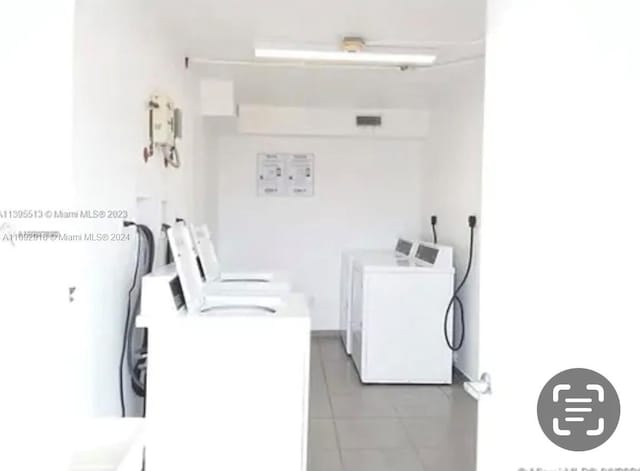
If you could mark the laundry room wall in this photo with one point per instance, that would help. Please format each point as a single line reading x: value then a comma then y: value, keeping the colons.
x: 123, y: 54
x: 207, y: 179
x: 367, y: 192
x: 452, y: 184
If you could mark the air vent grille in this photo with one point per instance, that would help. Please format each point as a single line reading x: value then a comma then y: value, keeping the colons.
x: 369, y: 120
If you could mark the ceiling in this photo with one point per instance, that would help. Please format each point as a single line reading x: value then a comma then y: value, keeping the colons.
x: 229, y: 30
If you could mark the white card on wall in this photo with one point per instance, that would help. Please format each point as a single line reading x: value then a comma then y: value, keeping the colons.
x: 285, y: 174
x: 300, y: 173
x: 271, y: 175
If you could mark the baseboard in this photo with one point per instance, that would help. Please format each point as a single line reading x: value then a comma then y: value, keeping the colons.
x: 325, y: 333
x: 459, y: 376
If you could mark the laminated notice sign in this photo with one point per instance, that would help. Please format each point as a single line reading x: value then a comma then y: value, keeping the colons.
x: 285, y: 174
x: 300, y: 174
x: 271, y: 175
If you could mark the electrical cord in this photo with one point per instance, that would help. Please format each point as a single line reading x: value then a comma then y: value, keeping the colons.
x: 455, y: 299
x: 434, y: 221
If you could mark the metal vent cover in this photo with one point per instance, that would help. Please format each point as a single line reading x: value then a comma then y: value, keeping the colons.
x: 368, y: 120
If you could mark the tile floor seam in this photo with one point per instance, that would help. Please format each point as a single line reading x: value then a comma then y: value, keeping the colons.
x: 333, y: 418
x: 414, y: 447
x: 373, y: 448
x: 335, y: 364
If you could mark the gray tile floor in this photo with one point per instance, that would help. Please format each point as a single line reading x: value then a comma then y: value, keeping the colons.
x: 356, y: 427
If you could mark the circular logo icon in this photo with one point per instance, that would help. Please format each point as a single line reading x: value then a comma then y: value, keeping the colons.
x: 578, y: 409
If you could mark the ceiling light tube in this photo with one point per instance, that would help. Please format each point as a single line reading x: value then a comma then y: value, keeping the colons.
x: 345, y: 57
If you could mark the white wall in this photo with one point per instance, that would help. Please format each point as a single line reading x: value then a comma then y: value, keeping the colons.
x: 560, y: 158
x: 367, y: 192
x: 207, y: 177
x: 122, y: 56
x: 452, y: 187
x: 282, y: 120
x: 38, y: 371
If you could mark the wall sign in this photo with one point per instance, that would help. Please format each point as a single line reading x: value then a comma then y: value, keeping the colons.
x: 300, y: 174
x: 271, y: 177
x: 285, y: 175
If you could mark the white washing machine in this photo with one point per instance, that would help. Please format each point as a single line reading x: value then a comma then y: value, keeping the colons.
x: 397, y: 316
x: 227, y: 381
x: 217, y: 280
x: 404, y: 249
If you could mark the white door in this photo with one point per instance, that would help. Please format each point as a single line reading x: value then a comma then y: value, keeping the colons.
x: 561, y: 220
x: 36, y: 322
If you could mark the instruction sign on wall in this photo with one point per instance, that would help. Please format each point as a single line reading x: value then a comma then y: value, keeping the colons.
x: 271, y: 176
x: 285, y: 174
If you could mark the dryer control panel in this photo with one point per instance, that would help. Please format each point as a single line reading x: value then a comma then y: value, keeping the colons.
x: 435, y: 255
x: 404, y: 247
x: 427, y: 254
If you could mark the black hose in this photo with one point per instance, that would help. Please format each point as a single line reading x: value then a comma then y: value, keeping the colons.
x: 456, y: 299
x: 135, y: 359
x: 149, y: 268
x: 152, y: 246
x: 168, y: 255
x: 125, y: 335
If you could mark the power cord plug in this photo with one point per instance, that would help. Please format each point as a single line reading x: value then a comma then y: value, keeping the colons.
x: 434, y: 221
x: 455, y: 299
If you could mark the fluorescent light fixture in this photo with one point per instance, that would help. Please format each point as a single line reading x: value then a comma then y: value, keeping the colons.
x: 345, y: 57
